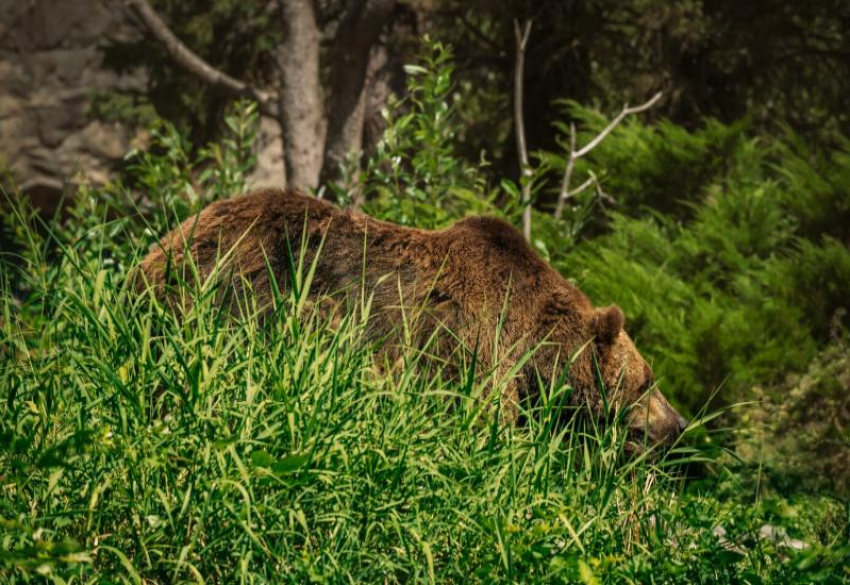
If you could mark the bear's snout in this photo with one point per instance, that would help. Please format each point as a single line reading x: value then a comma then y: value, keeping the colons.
x: 656, y: 419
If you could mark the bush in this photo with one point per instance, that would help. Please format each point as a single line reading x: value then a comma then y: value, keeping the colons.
x: 798, y: 434
x: 140, y: 444
x: 663, y: 166
x: 737, y: 293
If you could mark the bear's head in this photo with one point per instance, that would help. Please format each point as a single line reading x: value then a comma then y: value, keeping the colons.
x: 605, y: 359
x: 630, y: 382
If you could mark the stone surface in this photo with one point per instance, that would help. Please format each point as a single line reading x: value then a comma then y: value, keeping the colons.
x: 51, y: 69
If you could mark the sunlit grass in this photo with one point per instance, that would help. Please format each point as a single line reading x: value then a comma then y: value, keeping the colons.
x: 141, y: 443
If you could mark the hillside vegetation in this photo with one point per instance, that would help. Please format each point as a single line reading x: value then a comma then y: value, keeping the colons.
x: 141, y: 445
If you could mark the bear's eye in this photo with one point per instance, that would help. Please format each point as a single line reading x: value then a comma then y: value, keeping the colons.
x: 647, y: 385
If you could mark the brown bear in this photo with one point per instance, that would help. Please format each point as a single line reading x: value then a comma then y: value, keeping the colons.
x: 470, y: 280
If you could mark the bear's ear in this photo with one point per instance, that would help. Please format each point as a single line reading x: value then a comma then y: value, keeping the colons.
x: 607, y: 324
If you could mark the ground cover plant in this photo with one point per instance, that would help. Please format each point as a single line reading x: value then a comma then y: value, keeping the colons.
x: 141, y: 445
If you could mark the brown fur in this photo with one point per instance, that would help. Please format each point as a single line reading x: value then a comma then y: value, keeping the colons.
x: 462, y: 276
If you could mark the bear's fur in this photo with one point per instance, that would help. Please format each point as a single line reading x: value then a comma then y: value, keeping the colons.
x: 472, y: 278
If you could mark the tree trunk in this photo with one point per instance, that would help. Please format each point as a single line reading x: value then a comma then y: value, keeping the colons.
x: 300, y: 95
x: 358, y: 31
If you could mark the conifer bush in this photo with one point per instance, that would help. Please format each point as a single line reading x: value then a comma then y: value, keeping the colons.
x: 139, y: 444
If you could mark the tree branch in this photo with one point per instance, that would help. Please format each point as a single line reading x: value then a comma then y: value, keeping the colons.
x: 590, y: 181
x: 577, y: 154
x: 194, y: 64
x: 522, y: 148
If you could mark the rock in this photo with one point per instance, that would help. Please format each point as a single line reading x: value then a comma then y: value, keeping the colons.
x: 105, y: 140
x: 779, y: 536
x: 51, y: 69
x: 52, y: 66
x: 49, y: 24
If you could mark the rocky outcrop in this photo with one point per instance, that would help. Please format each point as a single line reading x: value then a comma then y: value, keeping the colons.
x: 51, y: 69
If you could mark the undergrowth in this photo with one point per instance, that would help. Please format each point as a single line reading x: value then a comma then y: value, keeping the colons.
x: 141, y: 445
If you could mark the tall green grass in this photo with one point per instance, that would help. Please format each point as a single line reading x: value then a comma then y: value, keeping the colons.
x: 141, y: 444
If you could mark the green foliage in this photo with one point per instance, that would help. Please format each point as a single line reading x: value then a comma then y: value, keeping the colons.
x: 169, y: 173
x: 763, y: 58
x: 799, y: 434
x: 661, y: 165
x: 719, y: 251
x: 140, y: 444
x: 416, y: 176
x: 133, y: 110
x: 815, y: 184
x: 768, y: 60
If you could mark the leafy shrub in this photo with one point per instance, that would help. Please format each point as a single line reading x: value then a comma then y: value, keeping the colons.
x: 415, y: 176
x: 663, y: 166
x: 815, y: 184
x: 798, y: 434
x: 175, y: 184
x: 737, y: 293
x: 139, y: 444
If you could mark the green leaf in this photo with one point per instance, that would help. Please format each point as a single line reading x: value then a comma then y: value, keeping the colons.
x: 415, y: 70
x: 261, y: 459
x: 289, y: 464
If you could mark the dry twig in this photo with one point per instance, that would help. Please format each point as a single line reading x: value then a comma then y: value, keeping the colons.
x: 522, y: 148
x: 194, y: 64
x: 566, y: 193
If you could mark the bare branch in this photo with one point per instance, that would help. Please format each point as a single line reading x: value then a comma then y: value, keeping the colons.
x: 568, y: 173
x: 577, y: 154
x: 615, y: 122
x: 191, y: 62
x: 604, y: 196
x: 590, y: 181
x: 522, y: 148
